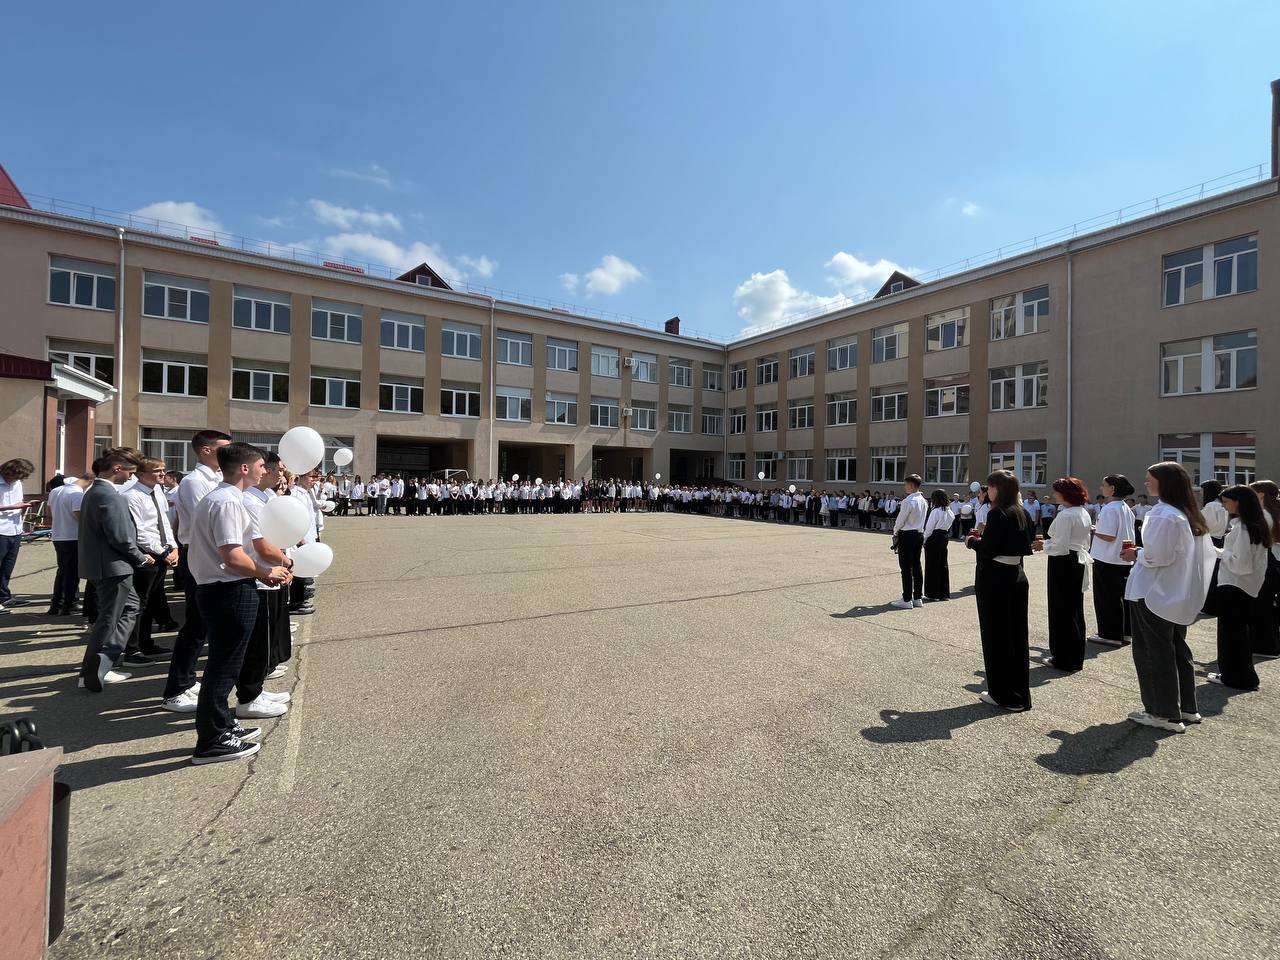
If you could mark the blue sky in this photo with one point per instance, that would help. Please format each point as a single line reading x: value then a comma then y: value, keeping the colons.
x: 729, y: 162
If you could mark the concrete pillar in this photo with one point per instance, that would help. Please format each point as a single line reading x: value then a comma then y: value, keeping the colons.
x: 218, y: 403
x: 979, y: 396
x: 864, y: 406
x: 128, y: 379
x: 79, y: 417
x: 300, y: 363
x: 370, y: 365
x: 915, y: 396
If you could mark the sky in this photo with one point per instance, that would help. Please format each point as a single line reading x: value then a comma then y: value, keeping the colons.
x: 734, y: 163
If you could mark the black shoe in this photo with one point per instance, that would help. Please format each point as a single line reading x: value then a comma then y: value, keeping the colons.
x: 229, y: 747
x: 16, y: 602
x: 158, y: 653
x: 53, y: 612
x: 135, y: 657
x: 167, y: 627
x: 305, y: 610
x: 247, y: 734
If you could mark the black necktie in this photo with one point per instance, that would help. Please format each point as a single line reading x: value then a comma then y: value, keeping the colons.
x: 160, y: 510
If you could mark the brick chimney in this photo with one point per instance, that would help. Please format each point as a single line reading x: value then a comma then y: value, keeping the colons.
x: 673, y: 325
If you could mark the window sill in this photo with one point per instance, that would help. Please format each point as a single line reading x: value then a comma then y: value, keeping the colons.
x: 350, y: 343
x: 383, y: 346
x: 508, y: 363
x: 453, y: 356
x: 511, y: 420
x: 1208, y: 393
x: 80, y: 306
x: 458, y: 416
x: 331, y: 406
x: 1043, y: 406
x: 274, y: 403
x: 402, y: 413
x: 152, y: 316
x: 278, y: 333
x: 184, y: 396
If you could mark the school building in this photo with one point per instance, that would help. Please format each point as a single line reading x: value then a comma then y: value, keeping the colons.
x: 1099, y: 352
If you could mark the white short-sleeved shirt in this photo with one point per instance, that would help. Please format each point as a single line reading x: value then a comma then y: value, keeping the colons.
x: 195, y: 486
x: 219, y: 519
x: 1115, y: 520
x: 255, y: 500
x: 10, y: 520
x: 65, y: 504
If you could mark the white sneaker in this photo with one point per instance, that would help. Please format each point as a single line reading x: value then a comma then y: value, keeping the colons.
x: 917, y: 603
x: 1160, y: 723
x: 260, y: 708
x: 282, y: 697
x: 185, y: 702
x: 278, y: 672
x: 986, y: 697
x: 902, y: 604
x: 1191, y: 717
x: 1046, y: 660
x: 194, y: 689
x: 293, y: 627
x: 1214, y: 678
x: 115, y: 676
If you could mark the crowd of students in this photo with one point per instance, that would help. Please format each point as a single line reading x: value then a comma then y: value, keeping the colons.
x: 1154, y: 567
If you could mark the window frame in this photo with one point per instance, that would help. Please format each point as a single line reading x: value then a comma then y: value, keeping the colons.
x: 955, y: 320
x: 737, y: 421
x: 802, y: 361
x: 960, y: 394
x: 649, y: 422
x: 738, y: 376
x: 715, y: 414
x: 838, y: 458
x: 465, y: 391
x: 329, y: 382
x: 797, y: 418
x: 881, y: 457
x: 676, y: 378
x: 955, y: 456
x: 415, y: 335
x: 644, y: 368
x: 555, y: 401
x: 565, y: 347
x: 253, y: 373
x: 713, y: 377
x: 604, y: 404
x: 899, y: 334
x: 274, y: 322
x: 850, y: 349
x: 1027, y: 461
x: 736, y: 466
x: 94, y: 360
x: 766, y: 371
x: 846, y: 400
x: 409, y: 390
x: 1020, y: 380
x: 505, y: 339
x: 1234, y: 258
x: 763, y: 413
x: 454, y: 333
x: 797, y: 459
x: 169, y: 289
x: 347, y: 326
x: 608, y: 358
x: 166, y: 366
x: 74, y: 275
x: 502, y: 397
x: 679, y: 418
x: 897, y: 400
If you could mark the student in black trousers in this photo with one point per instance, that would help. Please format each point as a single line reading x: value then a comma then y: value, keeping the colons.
x: 1114, y: 528
x: 1068, y: 550
x: 937, y: 576
x: 908, y: 542
x: 1241, y: 573
x: 1264, y: 631
x: 1001, y: 588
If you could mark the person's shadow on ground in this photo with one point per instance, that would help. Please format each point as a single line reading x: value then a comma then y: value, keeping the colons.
x: 918, y: 726
x: 1102, y: 748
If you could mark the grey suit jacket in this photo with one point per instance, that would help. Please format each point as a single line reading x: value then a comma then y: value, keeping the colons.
x: 108, y: 538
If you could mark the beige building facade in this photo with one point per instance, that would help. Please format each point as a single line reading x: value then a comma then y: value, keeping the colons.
x: 1154, y: 338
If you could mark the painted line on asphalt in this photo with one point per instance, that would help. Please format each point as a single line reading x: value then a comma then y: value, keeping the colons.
x: 293, y: 742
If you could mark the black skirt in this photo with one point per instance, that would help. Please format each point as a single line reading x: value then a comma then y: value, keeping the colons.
x: 937, y: 577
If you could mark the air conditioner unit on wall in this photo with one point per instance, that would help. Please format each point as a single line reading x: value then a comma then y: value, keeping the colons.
x: 626, y: 412
x: 628, y: 362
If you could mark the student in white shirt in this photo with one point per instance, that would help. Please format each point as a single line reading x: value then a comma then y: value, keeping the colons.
x: 225, y: 568
x: 1115, y: 528
x: 1217, y: 519
x: 937, y: 576
x: 12, y: 508
x: 1264, y: 632
x: 908, y: 540
x: 149, y: 509
x: 1240, y: 577
x: 64, y: 508
x: 357, y: 494
x: 1067, y: 548
x: 195, y: 486
x: 1165, y: 591
x: 303, y: 589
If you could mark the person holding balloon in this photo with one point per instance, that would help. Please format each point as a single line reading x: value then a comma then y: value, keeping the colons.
x: 302, y: 594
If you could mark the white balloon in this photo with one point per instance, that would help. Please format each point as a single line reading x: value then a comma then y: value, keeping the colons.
x: 515, y: 477
x: 343, y: 456
x: 760, y: 475
x: 301, y: 449
x: 975, y: 486
x: 284, y: 521
x: 791, y: 489
x: 657, y: 476
x: 312, y: 559
x: 538, y: 482
x: 326, y: 506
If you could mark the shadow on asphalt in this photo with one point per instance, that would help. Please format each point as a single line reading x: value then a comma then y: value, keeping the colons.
x: 854, y: 613
x: 904, y: 726
x: 1101, y: 748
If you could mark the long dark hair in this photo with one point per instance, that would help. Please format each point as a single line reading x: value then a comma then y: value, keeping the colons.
x: 1008, y: 495
x: 939, y: 498
x: 1249, y: 513
x: 1211, y: 490
x: 1174, y: 484
x: 1269, y: 493
x: 1118, y: 483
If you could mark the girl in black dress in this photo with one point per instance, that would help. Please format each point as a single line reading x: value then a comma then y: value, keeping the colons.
x: 1001, y: 589
x: 937, y: 529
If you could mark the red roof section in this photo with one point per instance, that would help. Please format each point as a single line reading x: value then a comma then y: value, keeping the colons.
x: 14, y: 367
x: 9, y: 192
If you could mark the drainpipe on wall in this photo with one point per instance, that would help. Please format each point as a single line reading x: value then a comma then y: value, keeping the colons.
x: 117, y: 418
x: 724, y: 418
x: 1275, y: 128
x: 1069, y: 472
x: 493, y: 393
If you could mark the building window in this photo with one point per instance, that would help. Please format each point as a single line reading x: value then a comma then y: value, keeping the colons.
x: 842, y: 409
x: 766, y: 464
x: 801, y: 362
x: 889, y: 343
x: 1019, y: 314
x: 842, y: 354
x: 604, y: 412
x: 1024, y: 385
x: 800, y: 465
x: 261, y: 310
x: 259, y: 386
x: 171, y: 446
x: 1235, y: 266
x: 604, y: 361
x: 644, y: 368
x: 175, y: 378
x: 947, y: 330
x: 766, y: 418
x: 888, y: 403
x: 97, y: 365
x: 1227, y: 361
x: 82, y: 283
x: 842, y: 465
x: 460, y: 340
x: 562, y: 408
x: 513, y: 403
x: 737, y: 466
x: 679, y: 418
x: 679, y: 373
x: 946, y: 396
x: 766, y: 370
x: 459, y: 400
x: 946, y: 463
x: 712, y: 377
x: 403, y: 331
x: 516, y: 348
x: 888, y: 464
x: 738, y: 376
x: 399, y: 398
x: 800, y: 414
x: 562, y: 355
x: 335, y: 324
x: 335, y: 392
x: 175, y: 298
x: 1028, y: 460
x: 712, y: 421
x: 737, y: 420
x: 644, y: 416
x: 1232, y: 455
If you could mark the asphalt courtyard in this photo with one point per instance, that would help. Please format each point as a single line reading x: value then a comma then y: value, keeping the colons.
x: 654, y: 736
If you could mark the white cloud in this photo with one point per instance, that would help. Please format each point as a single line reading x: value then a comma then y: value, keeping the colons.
x: 612, y: 276
x: 970, y: 209
x: 276, y: 222
x: 856, y: 277
x: 967, y: 208
x: 480, y: 266
x: 185, y: 212
x: 373, y: 173
x: 570, y: 281
x: 348, y: 218
x: 767, y: 300
x: 381, y: 250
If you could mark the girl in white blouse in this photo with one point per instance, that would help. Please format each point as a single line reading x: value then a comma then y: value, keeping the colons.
x: 1068, y: 550
x: 1166, y: 590
x: 1217, y: 519
x: 1264, y: 632
x: 1242, y: 569
x: 937, y: 527
x: 1115, y: 528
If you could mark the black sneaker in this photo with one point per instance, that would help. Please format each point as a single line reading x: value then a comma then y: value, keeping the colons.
x: 228, y: 748
x: 137, y: 658
x: 246, y: 734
